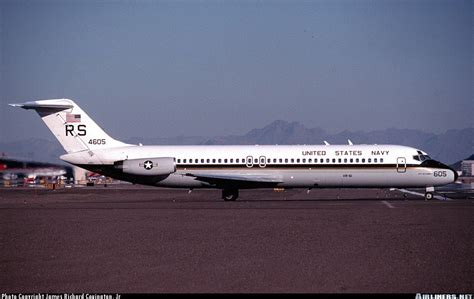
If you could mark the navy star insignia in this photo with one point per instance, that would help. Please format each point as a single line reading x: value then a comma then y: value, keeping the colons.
x: 148, y: 165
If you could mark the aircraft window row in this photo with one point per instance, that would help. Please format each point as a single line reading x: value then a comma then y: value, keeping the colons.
x: 280, y: 160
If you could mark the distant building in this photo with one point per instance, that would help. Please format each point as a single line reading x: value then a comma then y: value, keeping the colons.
x: 16, y: 172
x: 467, y: 167
x: 80, y: 175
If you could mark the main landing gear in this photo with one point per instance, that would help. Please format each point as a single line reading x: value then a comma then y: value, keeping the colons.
x: 230, y: 194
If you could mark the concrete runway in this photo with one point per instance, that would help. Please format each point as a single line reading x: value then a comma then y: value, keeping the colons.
x: 159, y: 240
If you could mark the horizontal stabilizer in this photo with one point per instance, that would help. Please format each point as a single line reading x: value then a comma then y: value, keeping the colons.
x: 48, y: 104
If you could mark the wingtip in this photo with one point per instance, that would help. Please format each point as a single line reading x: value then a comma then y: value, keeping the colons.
x: 16, y: 105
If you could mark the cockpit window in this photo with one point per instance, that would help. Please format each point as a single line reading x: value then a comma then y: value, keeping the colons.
x: 421, y: 157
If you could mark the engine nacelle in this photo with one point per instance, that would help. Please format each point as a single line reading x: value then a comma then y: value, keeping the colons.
x: 148, y: 166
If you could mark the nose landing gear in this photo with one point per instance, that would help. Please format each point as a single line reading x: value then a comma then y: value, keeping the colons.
x: 429, y: 193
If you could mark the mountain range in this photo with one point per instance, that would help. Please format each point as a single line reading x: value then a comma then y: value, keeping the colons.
x: 448, y: 147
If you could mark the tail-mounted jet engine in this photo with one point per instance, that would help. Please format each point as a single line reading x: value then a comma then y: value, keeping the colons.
x: 148, y: 166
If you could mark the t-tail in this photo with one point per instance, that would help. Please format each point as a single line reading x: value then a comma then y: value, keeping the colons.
x: 73, y: 128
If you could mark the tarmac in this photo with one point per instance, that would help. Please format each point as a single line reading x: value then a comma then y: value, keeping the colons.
x: 150, y: 240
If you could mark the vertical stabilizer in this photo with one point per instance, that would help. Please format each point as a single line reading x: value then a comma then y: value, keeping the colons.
x: 73, y: 128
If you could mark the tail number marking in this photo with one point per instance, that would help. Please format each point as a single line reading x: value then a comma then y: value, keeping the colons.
x: 441, y: 173
x: 81, y: 130
x: 96, y: 141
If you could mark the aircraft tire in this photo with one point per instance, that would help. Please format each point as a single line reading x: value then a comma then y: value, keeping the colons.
x: 230, y: 194
x: 428, y: 196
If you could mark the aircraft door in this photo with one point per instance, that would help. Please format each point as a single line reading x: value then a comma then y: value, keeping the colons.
x: 262, y: 161
x: 401, y: 165
x: 249, y: 161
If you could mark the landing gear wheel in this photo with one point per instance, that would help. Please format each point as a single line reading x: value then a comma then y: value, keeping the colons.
x: 428, y: 196
x: 230, y: 194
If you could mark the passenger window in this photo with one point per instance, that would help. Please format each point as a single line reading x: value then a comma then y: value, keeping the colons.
x: 184, y: 160
x: 339, y: 160
x: 369, y: 160
x: 375, y: 160
x: 381, y: 160
x: 311, y: 160
x: 202, y: 160
x: 219, y: 160
x: 213, y: 160
x: 237, y: 160
x: 363, y: 160
x: 304, y: 161
x: 357, y: 160
x: 231, y: 160
x: 286, y: 160
x: 274, y: 160
x: 292, y: 160
x: 327, y: 160
x: 351, y: 160
x: 225, y: 160
x: 269, y: 160
x: 281, y: 160
x: 255, y: 161
x: 321, y: 160
x: 345, y: 160
x: 196, y: 160
x: 179, y: 160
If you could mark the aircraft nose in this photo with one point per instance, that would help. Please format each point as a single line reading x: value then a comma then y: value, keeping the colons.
x: 455, y: 174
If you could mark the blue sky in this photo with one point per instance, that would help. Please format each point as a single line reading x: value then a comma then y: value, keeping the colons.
x: 208, y: 68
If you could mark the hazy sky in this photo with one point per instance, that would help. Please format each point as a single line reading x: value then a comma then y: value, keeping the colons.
x: 208, y: 68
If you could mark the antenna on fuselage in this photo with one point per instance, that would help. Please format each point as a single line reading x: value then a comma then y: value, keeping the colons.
x: 350, y: 142
x: 326, y: 143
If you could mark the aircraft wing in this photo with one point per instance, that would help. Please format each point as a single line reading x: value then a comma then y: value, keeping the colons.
x: 237, y: 180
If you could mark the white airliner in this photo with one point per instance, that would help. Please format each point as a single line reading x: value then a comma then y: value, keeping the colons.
x: 235, y: 167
